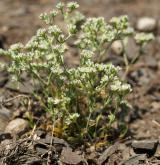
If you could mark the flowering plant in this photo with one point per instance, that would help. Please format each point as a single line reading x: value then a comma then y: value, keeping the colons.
x: 83, y: 101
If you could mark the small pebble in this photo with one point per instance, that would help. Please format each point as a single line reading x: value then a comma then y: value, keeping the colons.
x: 146, y: 24
x: 117, y: 47
x: 17, y: 126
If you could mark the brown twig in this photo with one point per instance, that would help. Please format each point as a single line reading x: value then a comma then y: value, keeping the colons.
x: 50, y: 148
x: 13, y: 98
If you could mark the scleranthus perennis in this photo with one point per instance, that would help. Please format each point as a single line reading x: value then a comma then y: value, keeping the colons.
x: 83, y: 101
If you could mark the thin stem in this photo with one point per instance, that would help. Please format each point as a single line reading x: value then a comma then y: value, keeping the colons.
x: 127, y: 66
x: 89, y: 118
x: 16, y: 97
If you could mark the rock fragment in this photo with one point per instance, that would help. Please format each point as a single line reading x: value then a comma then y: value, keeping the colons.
x: 146, y: 24
x: 107, y: 153
x: 17, y: 126
x: 131, y: 49
x: 135, y: 160
x: 145, y: 146
x: 26, y: 87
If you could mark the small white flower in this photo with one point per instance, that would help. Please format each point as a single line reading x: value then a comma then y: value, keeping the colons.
x: 143, y: 38
x: 16, y: 47
x: 60, y: 5
x: 72, y: 6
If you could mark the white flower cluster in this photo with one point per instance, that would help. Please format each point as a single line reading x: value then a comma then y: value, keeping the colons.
x: 143, y: 38
x: 96, y: 32
x: 120, y: 88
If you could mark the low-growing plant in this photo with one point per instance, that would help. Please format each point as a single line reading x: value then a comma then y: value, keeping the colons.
x: 83, y: 101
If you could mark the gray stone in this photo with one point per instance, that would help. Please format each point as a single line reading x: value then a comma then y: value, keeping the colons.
x: 135, y: 160
x: 131, y: 49
x: 17, y: 126
x: 26, y: 87
x: 5, y: 112
x: 145, y: 145
x: 146, y: 24
x: 107, y: 153
x: 41, y: 150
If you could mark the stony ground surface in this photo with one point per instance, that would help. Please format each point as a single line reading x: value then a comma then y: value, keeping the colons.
x: 19, y: 22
